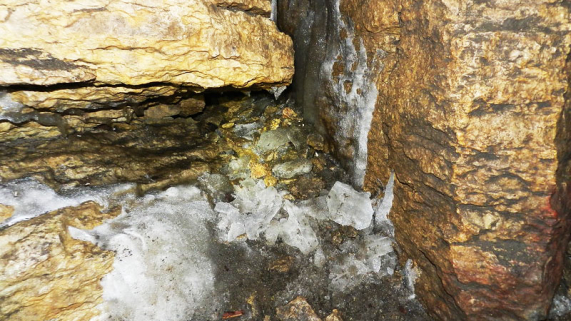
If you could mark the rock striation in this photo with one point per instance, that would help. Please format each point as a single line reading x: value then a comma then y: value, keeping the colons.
x: 45, y: 274
x: 105, y: 91
x: 472, y: 115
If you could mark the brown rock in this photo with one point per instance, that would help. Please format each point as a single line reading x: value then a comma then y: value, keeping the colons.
x: 191, y: 106
x: 469, y: 122
x: 334, y: 316
x: 45, y: 274
x: 297, y: 310
x: 160, y: 111
x: 167, y: 152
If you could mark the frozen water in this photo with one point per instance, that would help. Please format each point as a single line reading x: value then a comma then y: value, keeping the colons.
x: 274, y: 139
x: 294, y: 230
x: 410, y: 275
x: 383, y: 209
x: 374, y: 257
x: 161, y: 269
x: 349, y: 207
x: 31, y: 198
x: 247, y: 130
x: 561, y: 306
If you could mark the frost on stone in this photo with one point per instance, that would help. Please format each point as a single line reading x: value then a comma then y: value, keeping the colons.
x: 30, y: 198
x: 216, y: 185
x: 349, y: 207
x: 383, y: 209
x: 560, y: 306
x: 277, y: 91
x: 238, y: 168
x: 410, y: 275
x: 292, y: 168
x: 247, y: 131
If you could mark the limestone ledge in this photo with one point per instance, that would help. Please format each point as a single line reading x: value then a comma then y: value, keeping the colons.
x: 45, y: 274
x: 191, y: 43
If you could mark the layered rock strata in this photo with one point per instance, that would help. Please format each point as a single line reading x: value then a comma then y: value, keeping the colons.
x: 191, y: 43
x: 45, y: 274
x: 472, y: 117
x: 102, y: 92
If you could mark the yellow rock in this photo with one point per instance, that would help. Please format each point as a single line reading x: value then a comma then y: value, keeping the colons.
x: 6, y: 212
x: 258, y: 170
x: 45, y: 274
x: 184, y: 42
x: 227, y: 125
x: 270, y: 181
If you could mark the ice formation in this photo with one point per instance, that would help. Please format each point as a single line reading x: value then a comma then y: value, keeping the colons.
x: 410, y: 274
x: 372, y: 256
x: 355, y: 120
x: 382, y: 221
x: 349, y: 207
x: 30, y: 198
x: 161, y: 269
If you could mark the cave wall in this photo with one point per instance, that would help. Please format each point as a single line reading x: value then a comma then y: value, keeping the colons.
x: 470, y: 113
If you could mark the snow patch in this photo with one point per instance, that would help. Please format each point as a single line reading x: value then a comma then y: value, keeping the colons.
x: 161, y: 269
x: 30, y: 198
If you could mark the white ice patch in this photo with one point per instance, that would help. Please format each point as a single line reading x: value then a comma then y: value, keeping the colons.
x: 8, y: 107
x: 295, y: 230
x: 383, y: 209
x: 349, y: 207
x: 410, y: 274
x: 30, y: 198
x: 374, y: 257
x: 359, y: 102
x: 161, y: 269
x: 560, y: 306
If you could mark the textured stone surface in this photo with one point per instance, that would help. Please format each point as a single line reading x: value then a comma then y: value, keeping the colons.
x: 189, y: 43
x: 45, y: 274
x: 144, y: 150
x: 470, y: 115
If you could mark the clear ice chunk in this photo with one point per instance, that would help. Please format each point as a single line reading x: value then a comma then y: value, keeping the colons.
x: 349, y: 207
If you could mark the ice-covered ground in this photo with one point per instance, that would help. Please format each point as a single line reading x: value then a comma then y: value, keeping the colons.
x: 163, y: 269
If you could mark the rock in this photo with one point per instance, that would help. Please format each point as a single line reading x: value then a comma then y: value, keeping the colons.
x: 261, y: 7
x: 160, y: 111
x: 297, y: 310
x: 471, y: 114
x: 292, y: 168
x: 191, y: 106
x: 334, y: 316
x: 6, y: 212
x: 190, y: 43
x: 45, y: 274
x: 173, y: 151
